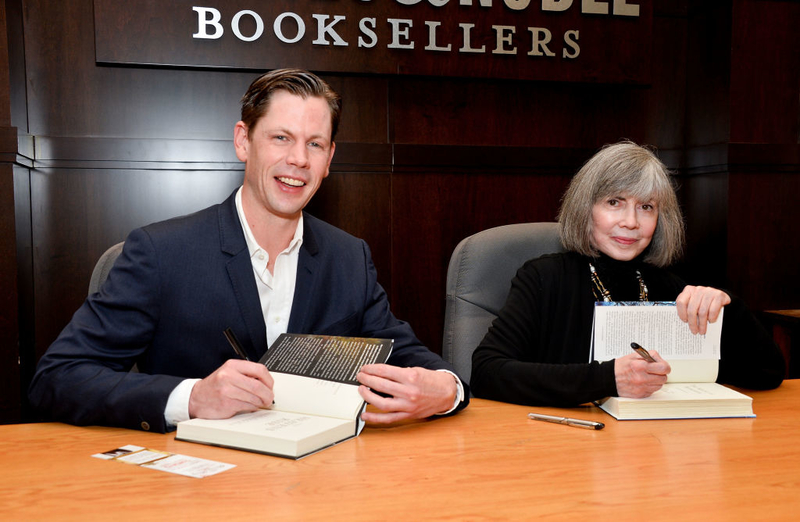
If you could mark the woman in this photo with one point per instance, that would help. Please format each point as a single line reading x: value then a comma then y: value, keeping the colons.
x: 621, y: 225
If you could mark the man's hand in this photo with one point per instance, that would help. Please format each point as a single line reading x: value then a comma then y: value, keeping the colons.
x: 234, y: 387
x: 416, y: 393
x: 638, y: 378
x: 700, y: 305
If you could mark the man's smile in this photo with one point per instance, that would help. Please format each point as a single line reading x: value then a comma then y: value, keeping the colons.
x: 291, y: 182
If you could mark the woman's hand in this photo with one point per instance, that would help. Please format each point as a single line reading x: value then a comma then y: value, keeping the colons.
x: 700, y: 305
x: 638, y: 378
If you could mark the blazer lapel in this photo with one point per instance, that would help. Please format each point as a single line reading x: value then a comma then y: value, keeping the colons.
x: 240, y: 271
x: 307, y: 272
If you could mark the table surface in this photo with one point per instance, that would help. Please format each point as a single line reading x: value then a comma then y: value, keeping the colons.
x: 488, y: 462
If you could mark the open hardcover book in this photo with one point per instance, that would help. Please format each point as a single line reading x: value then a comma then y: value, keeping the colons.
x: 691, y: 390
x: 317, y: 403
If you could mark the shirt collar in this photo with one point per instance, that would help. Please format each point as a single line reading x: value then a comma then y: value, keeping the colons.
x: 252, y: 245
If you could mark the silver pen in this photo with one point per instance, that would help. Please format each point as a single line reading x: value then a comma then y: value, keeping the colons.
x: 577, y: 423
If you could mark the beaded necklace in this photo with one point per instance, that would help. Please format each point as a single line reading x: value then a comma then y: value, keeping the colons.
x: 600, y: 292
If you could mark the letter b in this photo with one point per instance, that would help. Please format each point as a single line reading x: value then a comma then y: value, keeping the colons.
x: 204, y: 21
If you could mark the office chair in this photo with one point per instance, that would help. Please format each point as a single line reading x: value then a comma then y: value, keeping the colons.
x: 103, y: 266
x: 478, y: 280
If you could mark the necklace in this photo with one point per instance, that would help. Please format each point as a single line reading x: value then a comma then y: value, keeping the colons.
x: 600, y: 292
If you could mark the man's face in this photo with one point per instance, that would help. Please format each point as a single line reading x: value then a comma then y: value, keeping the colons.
x: 287, y: 153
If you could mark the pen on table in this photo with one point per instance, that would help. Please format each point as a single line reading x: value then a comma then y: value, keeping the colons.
x: 577, y: 423
x: 642, y: 352
x: 229, y: 335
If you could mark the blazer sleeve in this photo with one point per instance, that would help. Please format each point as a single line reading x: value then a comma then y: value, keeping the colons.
x: 84, y: 377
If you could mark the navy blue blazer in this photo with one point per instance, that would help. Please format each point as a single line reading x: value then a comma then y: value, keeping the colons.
x: 173, y: 290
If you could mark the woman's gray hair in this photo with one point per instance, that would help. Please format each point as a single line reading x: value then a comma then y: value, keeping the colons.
x: 622, y: 169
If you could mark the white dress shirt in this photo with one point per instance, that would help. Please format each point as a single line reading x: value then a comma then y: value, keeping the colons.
x: 275, y: 292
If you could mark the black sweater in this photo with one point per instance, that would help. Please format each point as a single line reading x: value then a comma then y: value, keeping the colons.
x: 537, y: 350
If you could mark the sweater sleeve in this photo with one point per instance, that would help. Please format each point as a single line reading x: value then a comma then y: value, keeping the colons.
x: 537, y: 350
x: 749, y: 357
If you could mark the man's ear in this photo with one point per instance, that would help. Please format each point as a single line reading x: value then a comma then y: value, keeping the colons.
x: 241, y: 141
x: 330, y: 159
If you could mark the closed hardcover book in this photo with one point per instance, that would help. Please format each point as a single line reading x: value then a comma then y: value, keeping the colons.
x: 317, y: 403
x: 682, y: 401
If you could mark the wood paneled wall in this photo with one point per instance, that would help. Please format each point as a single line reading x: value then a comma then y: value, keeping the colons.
x: 421, y: 162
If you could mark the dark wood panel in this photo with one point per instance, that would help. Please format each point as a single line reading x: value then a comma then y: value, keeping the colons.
x: 463, y: 159
x: 704, y: 199
x: 708, y: 74
x: 764, y: 238
x: 9, y: 319
x: 765, y: 72
x: 115, y: 153
x: 433, y: 211
x: 79, y: 214
x: 513, y: 114
x: 24, y: 269
x: 360, y: 203
x: 740, y: 202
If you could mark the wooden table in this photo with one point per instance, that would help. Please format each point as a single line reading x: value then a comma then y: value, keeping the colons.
x: 488, y: 462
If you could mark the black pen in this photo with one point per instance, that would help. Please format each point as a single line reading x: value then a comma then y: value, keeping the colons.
x: 576, y: 423
x: 643, y: 353
x: 235, y: 344
x: 231, y: 337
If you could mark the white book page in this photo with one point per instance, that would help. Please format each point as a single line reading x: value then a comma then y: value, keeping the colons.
x: 270, y: 431
x: 311, y: 396
x: 693, y: 370
x: 656, y: 326
x: 692, y: 391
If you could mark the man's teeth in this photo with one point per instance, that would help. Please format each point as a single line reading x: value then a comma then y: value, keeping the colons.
x: 292, y: 182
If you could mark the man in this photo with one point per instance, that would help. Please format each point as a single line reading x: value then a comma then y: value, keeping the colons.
x: 254, y: 263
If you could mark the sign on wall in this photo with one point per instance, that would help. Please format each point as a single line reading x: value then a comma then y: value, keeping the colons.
x: 556, y: 40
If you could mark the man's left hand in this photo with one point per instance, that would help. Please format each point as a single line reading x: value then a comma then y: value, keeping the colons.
x: 415, y: 393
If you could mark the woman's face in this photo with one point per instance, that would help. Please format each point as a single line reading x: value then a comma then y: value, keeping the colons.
x: 623, y: 226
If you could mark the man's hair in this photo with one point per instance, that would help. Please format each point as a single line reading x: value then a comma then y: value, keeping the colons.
x: 622, y: 169
x: 255, y: 102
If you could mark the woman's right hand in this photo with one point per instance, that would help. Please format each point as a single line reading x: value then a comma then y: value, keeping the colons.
x: 638, y: 378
